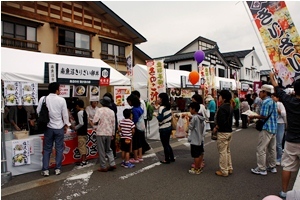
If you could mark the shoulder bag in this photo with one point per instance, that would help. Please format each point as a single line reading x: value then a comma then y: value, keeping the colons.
x: 260, y: 123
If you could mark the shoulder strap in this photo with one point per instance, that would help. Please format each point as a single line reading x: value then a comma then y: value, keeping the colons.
x: 270, y: 113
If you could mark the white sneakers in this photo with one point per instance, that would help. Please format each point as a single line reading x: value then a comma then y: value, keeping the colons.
x: 46, y: 172
x: 57, y: 172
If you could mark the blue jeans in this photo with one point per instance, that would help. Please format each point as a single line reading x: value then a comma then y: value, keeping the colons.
x: 165, y: 141
x: 50, y: 136
x: 279, y: 136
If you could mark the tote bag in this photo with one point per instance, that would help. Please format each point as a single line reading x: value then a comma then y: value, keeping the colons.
x: 140, y: 125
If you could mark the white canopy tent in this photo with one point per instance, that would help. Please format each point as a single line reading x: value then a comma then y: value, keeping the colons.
x: 140, y: 79
x: 27, y: 66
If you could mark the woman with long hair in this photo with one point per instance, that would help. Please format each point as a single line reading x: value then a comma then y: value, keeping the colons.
x: 224, y: 128
x: 164, y: 117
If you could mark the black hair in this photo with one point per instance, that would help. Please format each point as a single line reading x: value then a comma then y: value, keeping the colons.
x: 52, y: 87
x: 195, y: 106
x: 80, y: 103
x: 165, y: 100
x: 226, y: 95
x: 297, y: 87
x: 275, y: 95
x: 254, y: 94
x: 236, y: 94
x: 198, y: 98
x: 136, y: 93
x: 107, y: 94
x: 127, y: 113
x: 135, y: 102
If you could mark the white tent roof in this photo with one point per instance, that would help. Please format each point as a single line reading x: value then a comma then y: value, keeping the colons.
x: 140, y: 77
x: 27, y: 66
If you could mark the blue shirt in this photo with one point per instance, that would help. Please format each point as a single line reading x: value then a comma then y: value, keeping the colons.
x: 212, y: 106
x: 268, y: 106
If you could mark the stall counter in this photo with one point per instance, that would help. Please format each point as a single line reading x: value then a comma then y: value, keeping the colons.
x: 34, y: 163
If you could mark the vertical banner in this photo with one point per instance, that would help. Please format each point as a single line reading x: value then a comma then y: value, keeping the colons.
x: 29, y: 93
x: 129, y: 65
x: 280, y: 38
x: 104, y: 77
x: 156, y: 79
x: 212, y: 77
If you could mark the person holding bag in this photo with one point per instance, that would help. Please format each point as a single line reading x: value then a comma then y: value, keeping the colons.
x: 164, y: 118
x: 267, y: 136
x: 224, y: 129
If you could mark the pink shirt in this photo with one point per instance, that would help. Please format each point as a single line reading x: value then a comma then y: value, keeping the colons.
x: 106, y: 121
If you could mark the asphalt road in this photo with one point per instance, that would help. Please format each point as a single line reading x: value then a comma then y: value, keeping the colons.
x: 152, y: 180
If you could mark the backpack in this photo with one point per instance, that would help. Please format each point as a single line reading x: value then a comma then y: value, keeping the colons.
x: 43, y: 117
x: 150, y: 110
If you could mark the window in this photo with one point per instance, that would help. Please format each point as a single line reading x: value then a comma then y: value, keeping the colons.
x: 186, y: 68
x: 252, y: 61
x: 17, y: 35
x: 74, y: 43
x: 111, y: 51
x: 221, y: 72
x: 18, y: 31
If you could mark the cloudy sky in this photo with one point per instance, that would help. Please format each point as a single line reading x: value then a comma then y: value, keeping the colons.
x: 168, y: 26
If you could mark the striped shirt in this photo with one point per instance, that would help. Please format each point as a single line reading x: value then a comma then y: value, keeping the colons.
x: 164, y: 117
x: 268, y: 106
x: 126, y: 126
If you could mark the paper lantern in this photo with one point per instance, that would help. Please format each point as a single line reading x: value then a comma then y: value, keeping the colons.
x: 194, y: 77
x: 199, y: 56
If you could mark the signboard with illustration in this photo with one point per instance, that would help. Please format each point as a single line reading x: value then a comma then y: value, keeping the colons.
x: 20, y: 152
x: 121, y: 94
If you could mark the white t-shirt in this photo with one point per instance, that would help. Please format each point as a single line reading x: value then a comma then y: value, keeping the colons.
x: 143, y: 106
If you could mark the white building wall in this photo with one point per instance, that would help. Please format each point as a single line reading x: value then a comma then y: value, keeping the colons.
x: 193, y: 47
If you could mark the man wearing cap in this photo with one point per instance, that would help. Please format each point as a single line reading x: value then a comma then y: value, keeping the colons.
x: 291, y: 156
x: 105, y: 118
x: 267, y: 137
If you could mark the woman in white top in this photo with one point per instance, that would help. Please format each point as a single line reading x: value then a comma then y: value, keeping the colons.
x: 281, y: 124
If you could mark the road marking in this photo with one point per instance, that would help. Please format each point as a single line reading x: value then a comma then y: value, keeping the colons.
x: 139, y: 171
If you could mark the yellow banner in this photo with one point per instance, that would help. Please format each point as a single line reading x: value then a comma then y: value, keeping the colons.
x: 280, y: 38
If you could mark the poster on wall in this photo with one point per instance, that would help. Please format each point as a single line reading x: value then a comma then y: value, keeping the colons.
x: 64, y: 90
x: 79, y: 90
x: 20, y: 152
x: 121, y: 94
x: 104, y: 77
x: 29, y: 93
x: 94, y: 92
x: 12, y: 93
x: 156, y: 79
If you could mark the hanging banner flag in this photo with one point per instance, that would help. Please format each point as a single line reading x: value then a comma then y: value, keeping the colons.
x: 129, y: 65
x: 104, y: 77
x: 156, y: 79
x: 280, y: 38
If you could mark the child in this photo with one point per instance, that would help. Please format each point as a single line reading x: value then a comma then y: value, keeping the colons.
x: 196, y: 137
x: 81, y: 129
x: 126, y: 130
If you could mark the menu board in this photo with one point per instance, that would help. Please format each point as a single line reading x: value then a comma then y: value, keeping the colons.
x: 94, y: 92
x: 121, y: 94
x: 79, y: 91
x: 29, y: 93
x: 20, y: 152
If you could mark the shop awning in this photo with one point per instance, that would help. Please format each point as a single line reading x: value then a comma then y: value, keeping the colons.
x: 27, y: 66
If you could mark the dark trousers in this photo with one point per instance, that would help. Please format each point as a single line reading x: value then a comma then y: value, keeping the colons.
x: 165, y: 141
x: 236, y: 117
x: 113, y: 146
x: 244, y: 121
x: 212, y: 119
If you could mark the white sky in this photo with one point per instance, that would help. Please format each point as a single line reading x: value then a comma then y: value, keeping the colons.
x: 168, y: 26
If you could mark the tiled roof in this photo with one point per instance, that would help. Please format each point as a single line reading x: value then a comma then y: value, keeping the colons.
x: 239, y: 54
x: 185, y: 56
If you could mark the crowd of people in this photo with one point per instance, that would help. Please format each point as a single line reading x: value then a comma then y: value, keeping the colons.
x: 280, y: 113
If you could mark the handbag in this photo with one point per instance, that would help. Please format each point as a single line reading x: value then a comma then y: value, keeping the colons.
x: 140, y: 125
x: 43, y: 117
x: 260, y: 123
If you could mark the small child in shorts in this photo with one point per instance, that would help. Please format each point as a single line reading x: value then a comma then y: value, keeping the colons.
x: 126, y: 130
x: 195, y: 137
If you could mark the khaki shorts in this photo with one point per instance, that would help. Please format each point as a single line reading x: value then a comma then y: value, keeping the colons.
x: 82, y: 144
x: 291, y: 157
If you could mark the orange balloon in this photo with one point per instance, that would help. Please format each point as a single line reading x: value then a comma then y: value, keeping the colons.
x: 194, y: 77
